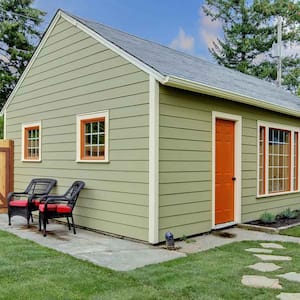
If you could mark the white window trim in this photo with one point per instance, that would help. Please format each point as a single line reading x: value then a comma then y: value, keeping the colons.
x: 94, y: 115
x: 27, y: 125
x: 280, y: 126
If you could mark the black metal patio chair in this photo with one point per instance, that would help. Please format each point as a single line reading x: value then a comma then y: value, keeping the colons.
x: 60, y: 206
x: 24, y: 203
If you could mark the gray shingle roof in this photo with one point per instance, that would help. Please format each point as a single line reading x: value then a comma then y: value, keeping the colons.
x: 170, y: 62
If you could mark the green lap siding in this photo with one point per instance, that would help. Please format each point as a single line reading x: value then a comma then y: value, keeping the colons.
x: 185, y: 170
x: 75, y: 74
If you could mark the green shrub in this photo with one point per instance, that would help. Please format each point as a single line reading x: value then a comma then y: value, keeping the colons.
x: 289, y: 214
x: 268, y: 218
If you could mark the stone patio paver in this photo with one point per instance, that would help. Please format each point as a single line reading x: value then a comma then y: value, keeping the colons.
x: 261, y: 282
x: 288, y: 296
x: 269, y: 257
x: 272, y: 245
x: 292, y: 276
x: 264, y: 267
x: 259, y: 250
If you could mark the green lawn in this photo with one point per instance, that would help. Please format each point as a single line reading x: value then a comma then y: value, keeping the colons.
x: 293, y: 231
x: 29, y: 271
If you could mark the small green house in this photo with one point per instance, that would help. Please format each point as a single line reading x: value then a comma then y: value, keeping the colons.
x: 164, y: 141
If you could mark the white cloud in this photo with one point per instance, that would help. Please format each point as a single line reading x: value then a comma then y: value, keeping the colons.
x: 183, y: 42
x: 209, y: 30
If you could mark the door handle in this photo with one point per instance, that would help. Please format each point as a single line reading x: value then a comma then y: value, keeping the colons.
x: 233, y: 178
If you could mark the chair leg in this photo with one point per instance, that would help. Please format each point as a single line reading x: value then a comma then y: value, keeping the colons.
x: 69, y: 225
x: 40, y: 222
x: 9, y: 219
x: 74, y: 231
x: 44, y: 224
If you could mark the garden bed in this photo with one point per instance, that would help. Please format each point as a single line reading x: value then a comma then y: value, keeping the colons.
x: 273, y: 224
x: 279, y: 222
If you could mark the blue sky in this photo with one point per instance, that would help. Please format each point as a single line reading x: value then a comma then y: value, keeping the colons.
x: 176, y: 23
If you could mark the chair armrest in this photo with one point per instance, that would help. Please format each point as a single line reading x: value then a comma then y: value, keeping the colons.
x: 12, y: 194
x: 54, y: 199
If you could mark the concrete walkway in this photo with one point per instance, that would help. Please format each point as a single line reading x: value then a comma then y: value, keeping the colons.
x: 119, y: 254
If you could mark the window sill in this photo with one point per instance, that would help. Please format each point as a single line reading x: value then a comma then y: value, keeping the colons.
x: 276, y: 194
x: 31, y: 160
x: 92, y: 161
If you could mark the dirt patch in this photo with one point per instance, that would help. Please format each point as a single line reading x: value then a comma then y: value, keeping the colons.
x: 224, y: 234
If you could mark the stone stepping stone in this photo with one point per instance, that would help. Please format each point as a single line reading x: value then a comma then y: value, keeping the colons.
x: 261, y: 282
x: 292, y: 276
x: 259, y: 250
x: 273, y: 257
x: 264, y: 267
x: 288, y: 296
x: 272, y: 245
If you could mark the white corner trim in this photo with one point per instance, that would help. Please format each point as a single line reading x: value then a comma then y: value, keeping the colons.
x: 153, y: 161
x: 237, y: 163
x: 27, y: 125
x: 138, y: 63
x: 92, y: 115
x: 32, y: 60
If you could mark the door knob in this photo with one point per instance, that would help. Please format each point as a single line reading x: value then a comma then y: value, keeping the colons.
x: 233, y: 178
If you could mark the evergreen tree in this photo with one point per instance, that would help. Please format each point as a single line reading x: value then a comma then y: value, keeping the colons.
x: 1, y: 127
x: 19, y: 35
x: 250, y: 30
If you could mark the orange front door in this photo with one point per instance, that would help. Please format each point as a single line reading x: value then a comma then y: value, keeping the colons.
x: 224, y: 172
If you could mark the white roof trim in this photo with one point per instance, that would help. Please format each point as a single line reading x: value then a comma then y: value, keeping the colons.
x: 144, y: 67
x: 172, y: 81
x: 94, y: 35
x: 32, y: 60
x: 193, y: 86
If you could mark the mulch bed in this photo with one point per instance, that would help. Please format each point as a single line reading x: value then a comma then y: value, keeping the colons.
x: 280, y: 222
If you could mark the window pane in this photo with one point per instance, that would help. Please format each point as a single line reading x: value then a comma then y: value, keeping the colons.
x: 295, y: 179
x: 31, y: 150
x: 279, y: 160
x: 262, y: 160
x: 93, y: 139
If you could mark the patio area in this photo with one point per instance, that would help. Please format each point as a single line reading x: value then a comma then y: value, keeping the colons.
x: 120, y: 254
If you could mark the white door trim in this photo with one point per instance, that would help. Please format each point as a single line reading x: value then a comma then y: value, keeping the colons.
x: 237, y: 162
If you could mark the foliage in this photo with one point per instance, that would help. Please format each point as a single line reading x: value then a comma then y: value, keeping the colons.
x: 18, y: 37
x: 1, y: 127
x: 250, y: 29
x: 288, y: 214
x: 29, y: 271
x: 267, y: 218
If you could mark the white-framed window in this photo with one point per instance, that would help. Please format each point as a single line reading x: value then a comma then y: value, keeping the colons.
x: 31, y: 142
x: 278, y: 157
x: 92, y: 137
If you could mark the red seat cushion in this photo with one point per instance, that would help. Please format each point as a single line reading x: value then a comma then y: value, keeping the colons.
x: 36, y: 202
x: 19, y: 203
x: 50, y: 207
x: 62, y: 208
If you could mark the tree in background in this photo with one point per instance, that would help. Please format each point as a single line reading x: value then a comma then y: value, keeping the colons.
x: 1, y: 127
x: 250, y: 29
x: 19, y: 35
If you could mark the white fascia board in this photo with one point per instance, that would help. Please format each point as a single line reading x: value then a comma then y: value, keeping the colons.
x: 193, y: 86
x: 32, y: 60
x: 138, y: 63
